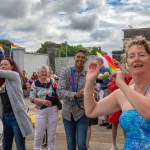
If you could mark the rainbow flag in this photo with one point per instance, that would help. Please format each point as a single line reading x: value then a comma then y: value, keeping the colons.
x: 2, y: 50
x: 2, y: 88
x: 112, y: 66
x: 99, y: 55
x: 108, y: 62
x: 1, y: 46
x: 13, y: 48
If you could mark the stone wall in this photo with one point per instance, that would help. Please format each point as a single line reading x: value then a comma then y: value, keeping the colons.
x: 63, y: 62
x: 31, y: 61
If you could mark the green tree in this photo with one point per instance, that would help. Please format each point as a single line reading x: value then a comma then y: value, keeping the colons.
x: 69, y: 49
x: 95, y: 49
x: 65, y: 49
x: 44, y: 47
x: 6, y: 44
x: 62, y: 50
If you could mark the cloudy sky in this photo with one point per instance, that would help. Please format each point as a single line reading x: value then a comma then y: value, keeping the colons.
x: 28, y: 23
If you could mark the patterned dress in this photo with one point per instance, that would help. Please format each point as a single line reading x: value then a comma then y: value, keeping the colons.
x: 137, y: 130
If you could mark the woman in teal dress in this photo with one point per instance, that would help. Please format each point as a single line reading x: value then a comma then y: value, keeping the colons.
x: 134, y: 100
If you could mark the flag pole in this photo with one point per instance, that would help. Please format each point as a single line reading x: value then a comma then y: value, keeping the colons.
x: 10, y: 53
x: 2, y: 50
x: 12, y: 49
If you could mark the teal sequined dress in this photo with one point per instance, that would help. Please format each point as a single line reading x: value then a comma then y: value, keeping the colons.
x: 137, y: 130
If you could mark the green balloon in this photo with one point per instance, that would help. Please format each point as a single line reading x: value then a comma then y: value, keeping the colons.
x: 105, y: 76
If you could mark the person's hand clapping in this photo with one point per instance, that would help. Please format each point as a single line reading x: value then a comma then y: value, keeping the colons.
x: 119, y: 77
x: 79, y: 94
x: 93, y: 72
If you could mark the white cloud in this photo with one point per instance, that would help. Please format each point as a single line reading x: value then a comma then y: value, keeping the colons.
x: 90, y: 23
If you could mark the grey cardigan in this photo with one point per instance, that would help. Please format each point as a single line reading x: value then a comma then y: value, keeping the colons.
x: 15, y: 94
x: 65, y: 92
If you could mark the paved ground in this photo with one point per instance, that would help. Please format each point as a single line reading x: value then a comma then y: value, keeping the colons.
x: 100, y: 140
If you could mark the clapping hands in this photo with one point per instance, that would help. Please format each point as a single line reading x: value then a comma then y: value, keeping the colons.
x: 93, y: 72
x: 119, y: 76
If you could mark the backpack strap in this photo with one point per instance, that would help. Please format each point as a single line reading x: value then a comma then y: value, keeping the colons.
x: 74, y: 88
x: 72, y: 81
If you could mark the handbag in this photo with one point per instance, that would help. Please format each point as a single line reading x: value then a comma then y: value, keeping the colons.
x: 59, y: 104
x: 54, y: 100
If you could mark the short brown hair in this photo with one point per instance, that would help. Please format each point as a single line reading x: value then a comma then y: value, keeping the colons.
x: 138, y: 40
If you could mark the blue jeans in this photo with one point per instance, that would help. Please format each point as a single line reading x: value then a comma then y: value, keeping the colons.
x: 76, y: 132
x: 11, y: 130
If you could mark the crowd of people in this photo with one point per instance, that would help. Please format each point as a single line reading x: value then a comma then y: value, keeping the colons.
x: 88, y: 98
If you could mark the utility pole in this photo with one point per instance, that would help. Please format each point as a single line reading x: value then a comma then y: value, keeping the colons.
x: 99, y: 49
x: 66, y: 47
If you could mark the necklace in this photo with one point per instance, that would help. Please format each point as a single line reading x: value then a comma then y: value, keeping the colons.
x: 148, y: 85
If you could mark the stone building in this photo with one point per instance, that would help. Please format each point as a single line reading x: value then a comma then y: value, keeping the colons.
x: 131, y: 33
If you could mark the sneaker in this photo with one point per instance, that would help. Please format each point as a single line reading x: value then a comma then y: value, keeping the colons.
x: 114, y: 148
x: 109, y: 127
x: 104, y: 124
x: 44, y: 145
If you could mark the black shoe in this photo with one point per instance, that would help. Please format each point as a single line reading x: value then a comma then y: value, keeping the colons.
x: 44, y: 145
x: 110, y: 126
x: 104, y: 124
